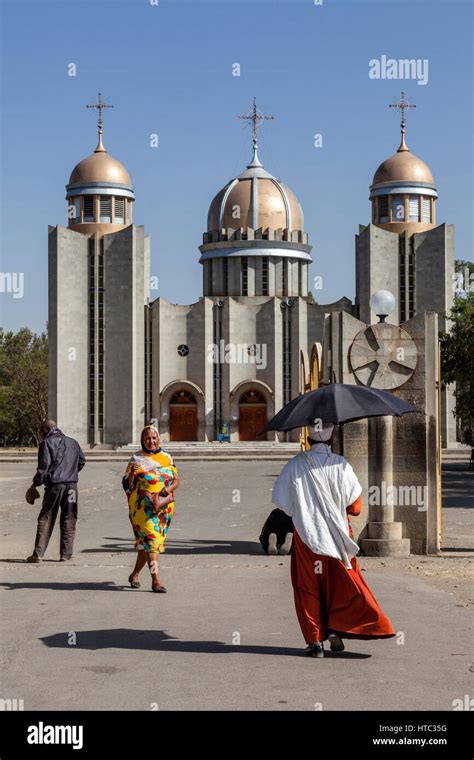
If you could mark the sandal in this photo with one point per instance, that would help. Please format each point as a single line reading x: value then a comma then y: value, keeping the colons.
x: 159, y: 589
x: 134, y: 584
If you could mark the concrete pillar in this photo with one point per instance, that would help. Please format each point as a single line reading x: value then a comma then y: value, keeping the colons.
x: 385, y: 537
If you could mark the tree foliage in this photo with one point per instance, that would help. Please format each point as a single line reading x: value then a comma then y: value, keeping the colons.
x: 23, y: 386
x: 457, y: 359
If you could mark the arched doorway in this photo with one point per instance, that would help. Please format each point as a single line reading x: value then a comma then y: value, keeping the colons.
x: 183, y: 417
x: 252, y: 415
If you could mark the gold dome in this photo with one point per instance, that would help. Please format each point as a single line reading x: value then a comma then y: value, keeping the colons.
x: 100, y: 167
x: 403, y: 166
x: 275, y: 205
x: 271, y: 208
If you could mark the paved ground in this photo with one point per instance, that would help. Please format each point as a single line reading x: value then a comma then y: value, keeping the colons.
x: 135, y: 649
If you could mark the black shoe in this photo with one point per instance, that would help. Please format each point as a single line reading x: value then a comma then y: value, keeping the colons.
x: 33, y: 559
x: 337, y: 644
x: 134, y: 584
x: 315, y: 650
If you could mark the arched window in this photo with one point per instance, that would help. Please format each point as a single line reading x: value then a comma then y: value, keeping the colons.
x: 183, y: 397
x: 252, y: 397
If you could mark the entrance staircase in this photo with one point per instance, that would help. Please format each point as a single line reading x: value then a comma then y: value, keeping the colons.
x: 209, y: 450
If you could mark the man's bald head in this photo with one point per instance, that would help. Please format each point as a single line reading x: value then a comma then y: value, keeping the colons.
x: 47, y: 426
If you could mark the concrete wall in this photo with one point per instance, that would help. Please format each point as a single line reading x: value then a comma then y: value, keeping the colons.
x: 126, y: 282
x: 175, y: 325
x: 68, y: 335
x: 376, y: 269
x: 434, y: 270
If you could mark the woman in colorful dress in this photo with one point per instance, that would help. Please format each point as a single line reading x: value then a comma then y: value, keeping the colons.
x: 149, y: 482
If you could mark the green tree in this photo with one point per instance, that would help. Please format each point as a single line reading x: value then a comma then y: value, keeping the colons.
x: 23, y: 386
x: 457, y: 360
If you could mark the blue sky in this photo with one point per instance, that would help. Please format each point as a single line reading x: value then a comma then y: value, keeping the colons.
x: 167, y: 69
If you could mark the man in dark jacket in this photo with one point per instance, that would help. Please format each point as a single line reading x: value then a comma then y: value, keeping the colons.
x: 59, y: 460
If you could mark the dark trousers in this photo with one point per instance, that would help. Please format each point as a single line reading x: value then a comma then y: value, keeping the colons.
x: 63, y: 497
x: 277, y: 522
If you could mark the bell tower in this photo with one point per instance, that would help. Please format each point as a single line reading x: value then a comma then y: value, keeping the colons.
x: 98, y: 287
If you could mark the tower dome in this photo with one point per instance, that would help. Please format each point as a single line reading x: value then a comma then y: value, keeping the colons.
x: 403, y: 166
x: 100, y: 166
x: 100, y: 191
x: 403, y: 191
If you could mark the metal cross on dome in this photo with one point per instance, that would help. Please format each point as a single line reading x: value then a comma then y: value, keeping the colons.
x: 257, y: 118
x: 99, y: 106
x: 402, y: 106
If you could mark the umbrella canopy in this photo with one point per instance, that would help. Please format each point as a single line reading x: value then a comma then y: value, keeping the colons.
x: 338, y: 403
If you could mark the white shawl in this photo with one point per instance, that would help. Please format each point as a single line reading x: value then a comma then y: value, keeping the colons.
x: 314, y: 489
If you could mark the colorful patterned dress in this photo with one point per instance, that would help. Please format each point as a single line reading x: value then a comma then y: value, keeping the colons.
x: 155, y: 471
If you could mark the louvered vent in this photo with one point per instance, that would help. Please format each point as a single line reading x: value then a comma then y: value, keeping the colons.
x: 119, y: 209
x: 398, y: 209
x: 89, y: 208
x: 414, y: 208
x: 105, y: 209
x: 426, y: 210
x: 383, y: 209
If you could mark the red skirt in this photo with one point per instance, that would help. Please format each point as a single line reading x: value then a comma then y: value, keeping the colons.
x: 328, y: 597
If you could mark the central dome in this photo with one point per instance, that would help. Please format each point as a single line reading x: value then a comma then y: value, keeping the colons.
x: 255, y: 199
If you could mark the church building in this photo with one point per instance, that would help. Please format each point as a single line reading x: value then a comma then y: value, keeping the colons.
x: 230, y: 361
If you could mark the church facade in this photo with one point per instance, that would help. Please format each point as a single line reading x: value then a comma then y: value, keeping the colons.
x: 227, y: 363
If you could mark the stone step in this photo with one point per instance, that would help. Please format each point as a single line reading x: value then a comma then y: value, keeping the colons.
x: 376, y: 547
x: 182, y: 452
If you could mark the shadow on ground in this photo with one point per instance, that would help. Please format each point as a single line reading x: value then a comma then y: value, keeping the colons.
x: 128, y: 638
x: 178, y: 546
x: 107, y: 586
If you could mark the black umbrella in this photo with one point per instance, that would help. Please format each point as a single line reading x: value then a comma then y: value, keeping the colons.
x: 337, y: 403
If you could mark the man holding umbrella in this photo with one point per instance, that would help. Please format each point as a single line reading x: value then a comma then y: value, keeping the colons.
x: 318, y: 489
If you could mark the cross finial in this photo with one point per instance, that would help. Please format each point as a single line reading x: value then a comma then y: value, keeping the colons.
x: 256, y: 117
x: 99, y: 106
x: 402, y: 105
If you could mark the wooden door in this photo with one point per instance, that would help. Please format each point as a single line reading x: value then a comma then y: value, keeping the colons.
x: 183, y: 423
x: 252, y: 418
